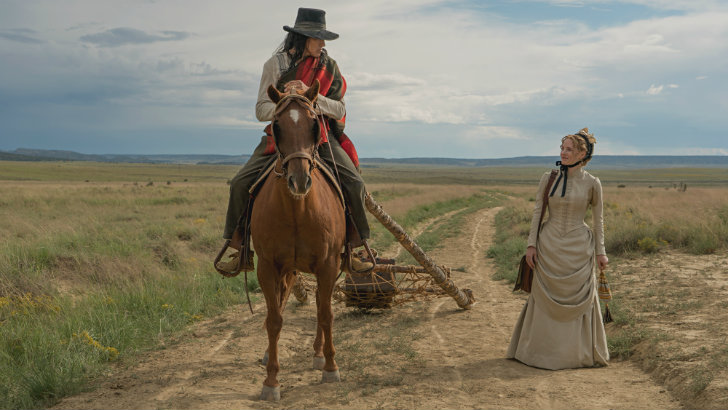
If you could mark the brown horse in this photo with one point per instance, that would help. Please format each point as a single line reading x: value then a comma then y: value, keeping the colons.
x: 297, y: 225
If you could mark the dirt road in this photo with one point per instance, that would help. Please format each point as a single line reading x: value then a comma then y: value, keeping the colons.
x: 453, y: 359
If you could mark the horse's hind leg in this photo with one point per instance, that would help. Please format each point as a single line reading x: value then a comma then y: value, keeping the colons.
x: 271, y: 286
x: 326, y: 279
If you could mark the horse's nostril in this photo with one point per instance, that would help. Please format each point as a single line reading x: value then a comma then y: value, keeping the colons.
x: 308, y: 183
x: 292, y: 184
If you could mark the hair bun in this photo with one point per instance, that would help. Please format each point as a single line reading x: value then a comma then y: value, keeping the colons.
x: 585, y: 132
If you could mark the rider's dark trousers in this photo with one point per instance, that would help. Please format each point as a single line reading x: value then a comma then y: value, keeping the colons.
x: 351, y: 184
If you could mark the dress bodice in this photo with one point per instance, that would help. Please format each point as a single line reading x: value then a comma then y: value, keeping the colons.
x: 566, y: 214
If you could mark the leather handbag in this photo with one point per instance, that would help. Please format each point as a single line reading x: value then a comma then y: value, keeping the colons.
x: 525, y: 276
x: 525, y: 272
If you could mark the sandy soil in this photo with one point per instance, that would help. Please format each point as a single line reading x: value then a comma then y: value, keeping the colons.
x: 458, y: 362
x: 682, y: 302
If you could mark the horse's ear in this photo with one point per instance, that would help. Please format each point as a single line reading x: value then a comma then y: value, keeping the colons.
x: 274, y: 94
x: 313, y: 91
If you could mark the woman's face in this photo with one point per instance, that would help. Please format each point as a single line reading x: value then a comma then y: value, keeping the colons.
x: 570, y: 154
x: 314, y: 46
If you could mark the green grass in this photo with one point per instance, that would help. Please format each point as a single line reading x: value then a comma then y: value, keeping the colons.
x: 433, y: 237
x: 512, y: 226
x: 52, y: 345
x: 140, y: 174
x: 395, y: 174
x: 654, y: 178
x: 91, y: 275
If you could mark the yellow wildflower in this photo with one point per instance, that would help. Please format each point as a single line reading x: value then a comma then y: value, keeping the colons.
x: 112, y: 352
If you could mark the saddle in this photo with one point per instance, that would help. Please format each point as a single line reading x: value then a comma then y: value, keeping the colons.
x: 242, y: 231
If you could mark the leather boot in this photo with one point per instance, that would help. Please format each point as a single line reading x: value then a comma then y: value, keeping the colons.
x: 360, y: 266
x: 231, y: 265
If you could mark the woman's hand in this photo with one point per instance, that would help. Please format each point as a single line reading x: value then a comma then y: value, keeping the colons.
x: 295, y: 85
x: 602, y: 260
x: 531, y: 257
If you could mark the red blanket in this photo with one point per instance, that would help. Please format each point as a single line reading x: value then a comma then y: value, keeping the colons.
x: 333, y: 85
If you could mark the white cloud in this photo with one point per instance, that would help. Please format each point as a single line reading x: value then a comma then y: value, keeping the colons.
x: 654, y: 90
x: 372, y: 80
x: 223, y: 121
x: 684, y: 5
x: 487, y: 133
x: 439, y: 63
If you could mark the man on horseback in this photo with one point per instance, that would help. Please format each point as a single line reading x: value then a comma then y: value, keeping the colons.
x: 299, y: 61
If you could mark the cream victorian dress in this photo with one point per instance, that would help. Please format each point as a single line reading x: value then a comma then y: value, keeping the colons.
x: 560, y: 326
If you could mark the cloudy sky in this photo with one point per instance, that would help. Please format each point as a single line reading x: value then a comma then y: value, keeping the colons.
x: 427, y: 78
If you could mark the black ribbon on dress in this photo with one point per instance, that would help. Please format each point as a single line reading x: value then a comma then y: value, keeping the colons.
x: 565, y: 174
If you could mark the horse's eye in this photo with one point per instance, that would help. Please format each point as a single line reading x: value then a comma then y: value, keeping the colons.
x: 276, y: 128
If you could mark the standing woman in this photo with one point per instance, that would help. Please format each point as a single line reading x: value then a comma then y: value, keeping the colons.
x: 560, y: 326
x: 297, y: 63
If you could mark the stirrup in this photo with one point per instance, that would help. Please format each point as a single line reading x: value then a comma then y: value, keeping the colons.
x: 234, y: 266
x: 365, y: 260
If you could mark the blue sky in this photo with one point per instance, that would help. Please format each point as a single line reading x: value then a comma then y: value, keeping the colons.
x: 427, y: 78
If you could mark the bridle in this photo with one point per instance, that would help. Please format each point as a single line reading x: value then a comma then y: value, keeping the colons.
x: 312, y: 156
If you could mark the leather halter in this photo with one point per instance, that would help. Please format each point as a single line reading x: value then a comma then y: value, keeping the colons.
x: 282, y: 105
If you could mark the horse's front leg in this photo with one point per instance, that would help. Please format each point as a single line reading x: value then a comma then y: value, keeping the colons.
x: 326, y: 280
x: 269, y: 281
x: 318, y: 343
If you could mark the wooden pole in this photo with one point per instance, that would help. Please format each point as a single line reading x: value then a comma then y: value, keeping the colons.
x: 464, y: 297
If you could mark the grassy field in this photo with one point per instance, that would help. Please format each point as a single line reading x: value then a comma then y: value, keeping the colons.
x: 92, y: 272
x: 100, y: 261
x: 397, y: 174
x: 656, y: 178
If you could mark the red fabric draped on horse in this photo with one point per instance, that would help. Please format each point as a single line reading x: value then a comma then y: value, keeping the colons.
x: 331, y: 84
x: 297, y: 225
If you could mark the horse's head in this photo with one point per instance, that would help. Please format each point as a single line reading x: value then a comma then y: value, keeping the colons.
x: 296, y: 133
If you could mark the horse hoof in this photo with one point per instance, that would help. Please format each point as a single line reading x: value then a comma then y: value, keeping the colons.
x: 318, y: 363
x: 330, y: 377
x: 264, y: 360
x: 271, y: 393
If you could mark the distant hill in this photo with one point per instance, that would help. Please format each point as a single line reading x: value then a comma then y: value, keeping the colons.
x: 598, y: 162
x: 25, y: 154
x: 9, y: 156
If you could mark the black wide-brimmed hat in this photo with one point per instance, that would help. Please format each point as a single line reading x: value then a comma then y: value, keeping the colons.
x: 311, y: 23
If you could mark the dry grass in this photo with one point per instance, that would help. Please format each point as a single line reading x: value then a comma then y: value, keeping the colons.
x: 397, y: 199
x: 669, y: 204
x: 79, y: 241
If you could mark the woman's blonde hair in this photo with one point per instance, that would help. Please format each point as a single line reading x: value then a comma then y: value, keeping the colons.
x: 579, y: 139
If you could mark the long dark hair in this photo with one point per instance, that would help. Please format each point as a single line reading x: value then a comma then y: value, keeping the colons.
x: 296, y: 42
